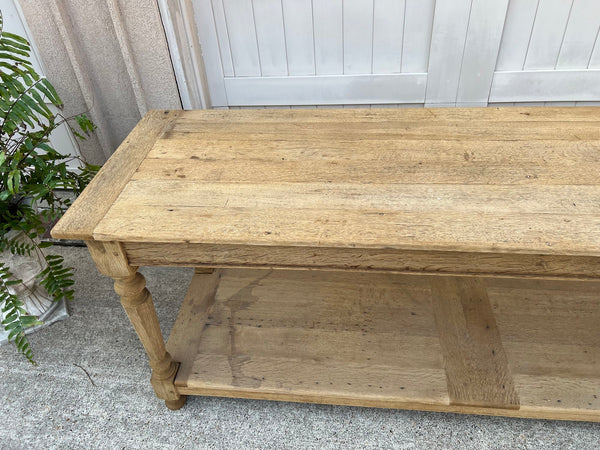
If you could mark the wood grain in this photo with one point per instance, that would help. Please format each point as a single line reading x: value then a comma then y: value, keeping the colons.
x: 193, y: 314
x: 89, y: 208
x: 476, y: 366
x: 405, y: 261
x: 389, y: 170
x: 374, y: 340
x: 275, y: 331
x: 503, y: 181
x: 495, y: 232
x: 110, y: 259
x: 493, y: 114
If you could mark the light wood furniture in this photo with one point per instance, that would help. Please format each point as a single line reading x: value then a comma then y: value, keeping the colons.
x: 445, y: 259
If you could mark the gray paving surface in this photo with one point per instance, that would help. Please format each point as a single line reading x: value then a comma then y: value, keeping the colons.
x: 55, y: 405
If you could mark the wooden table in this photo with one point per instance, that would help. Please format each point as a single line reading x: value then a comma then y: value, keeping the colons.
x: 444, y: 259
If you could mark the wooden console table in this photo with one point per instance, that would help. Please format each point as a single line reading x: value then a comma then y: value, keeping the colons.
x: 444, y: 259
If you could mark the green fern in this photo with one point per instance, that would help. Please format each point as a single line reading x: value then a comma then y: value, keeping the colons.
x: 18, y: 247
x: 16, y: 319
x: 57, y: 279
x: 32, y: 172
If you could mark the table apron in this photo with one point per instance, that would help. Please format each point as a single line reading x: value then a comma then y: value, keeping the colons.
x: 376, y: 260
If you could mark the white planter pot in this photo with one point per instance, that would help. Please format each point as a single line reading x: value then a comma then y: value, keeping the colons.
x: 36, y: 300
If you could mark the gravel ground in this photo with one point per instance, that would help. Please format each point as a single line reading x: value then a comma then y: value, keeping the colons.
x: 91, y: 389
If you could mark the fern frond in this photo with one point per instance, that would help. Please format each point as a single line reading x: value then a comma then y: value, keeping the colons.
x: 16, y: 246
x: 16, y: 319
x: 57, y: 279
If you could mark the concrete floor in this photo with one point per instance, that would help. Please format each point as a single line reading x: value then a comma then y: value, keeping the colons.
x: 55, y: 405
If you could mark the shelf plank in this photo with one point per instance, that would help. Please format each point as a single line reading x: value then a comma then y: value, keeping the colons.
x: 193, y: 314
x: 475, y: 361
x: 372, y: 340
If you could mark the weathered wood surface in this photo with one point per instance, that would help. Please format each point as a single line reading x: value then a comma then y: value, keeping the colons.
x: 193, y: 314
x: 521, y: 181
x: 85, y: 213
x: 376, y: 340
x: 387, y: 260
x: 476, y: 365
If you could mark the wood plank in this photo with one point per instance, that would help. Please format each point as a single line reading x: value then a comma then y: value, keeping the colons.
x: 486, y: 23
x: 271, y: 335
x: 393, y: 130
x: 424, y: 262
x: 383, y: 198
x: 270, y: 34
x: 298, y: 24
x: 498, y: 114
x: 286, y: 379
x: 518, y: 25
x: 580, y: 35
x: 358, y: 37
x: 476, y: 365
x: 559, y: 234
x: 242, y: 37
x: 213, y: 31
x: 550, y: 335
x: 594, y: 62
x: 388, y: 33
x: 547, y: 35
x: 274, y: 331
x: 239, y: 201
x: 193, y: 315
x: 85, y: 213
x: 422, y: 130
x: 509, y: 154
x: 559, y: 316
x: 216, y: 54
x: 575, y: 395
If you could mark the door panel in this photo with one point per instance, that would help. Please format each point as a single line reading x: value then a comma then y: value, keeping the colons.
x: 391, y: 52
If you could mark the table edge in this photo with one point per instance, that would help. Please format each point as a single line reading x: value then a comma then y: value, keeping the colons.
x: 80, y: 220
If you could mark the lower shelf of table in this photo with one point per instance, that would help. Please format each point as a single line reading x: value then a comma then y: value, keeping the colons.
x: 527, y: 348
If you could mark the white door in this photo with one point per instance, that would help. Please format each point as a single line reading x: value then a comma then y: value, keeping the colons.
x: 62, y: 139
x: 249, y: 53
x: 303, y: 52
x: 549, y: 53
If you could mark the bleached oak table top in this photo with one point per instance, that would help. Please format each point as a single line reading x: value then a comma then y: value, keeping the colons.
x: 507, y: 180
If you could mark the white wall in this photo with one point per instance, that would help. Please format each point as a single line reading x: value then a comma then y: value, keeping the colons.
x: 13, y: 22
x: 108, y: 58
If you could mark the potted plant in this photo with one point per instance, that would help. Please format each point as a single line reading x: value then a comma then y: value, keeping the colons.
x: 33, y: 180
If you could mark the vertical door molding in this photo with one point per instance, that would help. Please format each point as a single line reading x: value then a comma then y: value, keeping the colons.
x: 482, y: 45
x: 450, y: 25
x: 182, y: 33
x: 464, y: 47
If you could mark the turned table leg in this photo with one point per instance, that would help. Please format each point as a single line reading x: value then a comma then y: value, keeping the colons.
x: 137, y: 302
